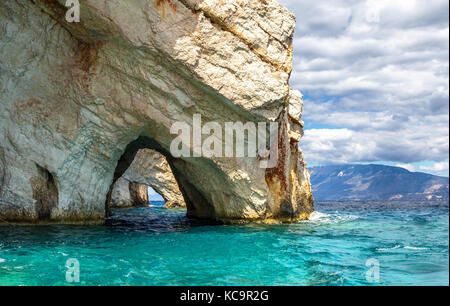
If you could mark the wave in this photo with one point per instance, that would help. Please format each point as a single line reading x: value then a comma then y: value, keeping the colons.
x: 2, y: 260
x: 323, y: 218
x: 156, y: 206
x: 414, y: 248
x: 389, y: 249
x: 407, y: 247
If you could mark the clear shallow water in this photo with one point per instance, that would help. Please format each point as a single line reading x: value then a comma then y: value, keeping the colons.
x: 154, y: 246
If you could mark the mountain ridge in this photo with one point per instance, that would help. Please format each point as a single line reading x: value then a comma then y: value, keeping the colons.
x: 376, y: 182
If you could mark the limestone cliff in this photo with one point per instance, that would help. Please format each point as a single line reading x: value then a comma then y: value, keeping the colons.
x: 148, y: 168
x: 138, y: 194
x: 120, y: 196
x: 128, y: 194
x: 79, y: 100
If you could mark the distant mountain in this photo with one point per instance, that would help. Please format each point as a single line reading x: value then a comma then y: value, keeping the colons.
x: 376, y: 182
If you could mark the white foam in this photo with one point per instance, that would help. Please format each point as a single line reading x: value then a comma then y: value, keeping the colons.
x: 400, y: 247
x: 323, y: 218
x: 316, y: 216
x: 389, y: 249
x: 2, y: 260
x: 414, y: 248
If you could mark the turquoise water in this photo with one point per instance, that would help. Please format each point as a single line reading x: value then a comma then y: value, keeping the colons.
x: 154, y: 246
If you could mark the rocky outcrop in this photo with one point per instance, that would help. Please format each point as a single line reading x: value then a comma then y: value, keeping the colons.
x: 120, y: 196
x: 79, y: 100
x: 128, y: 194
x: 149, y: 168
x: 138, y: 194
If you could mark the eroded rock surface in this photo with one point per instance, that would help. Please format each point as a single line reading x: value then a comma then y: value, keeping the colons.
x: 128, y: 194
x: 79, y: 100
x: 138, y: 194
x: 120, y: 197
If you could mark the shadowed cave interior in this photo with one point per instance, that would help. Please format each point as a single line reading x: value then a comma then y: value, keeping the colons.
x: 142, y: 194
x: 45, y: 192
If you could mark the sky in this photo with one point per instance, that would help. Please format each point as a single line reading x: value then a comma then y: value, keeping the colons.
x: 154, y: 196
x: 375, y: 80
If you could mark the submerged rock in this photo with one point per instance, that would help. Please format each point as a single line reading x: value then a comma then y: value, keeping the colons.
x: 79, y: 100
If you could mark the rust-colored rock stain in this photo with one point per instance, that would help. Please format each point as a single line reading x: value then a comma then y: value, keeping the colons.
x: 162, y: 4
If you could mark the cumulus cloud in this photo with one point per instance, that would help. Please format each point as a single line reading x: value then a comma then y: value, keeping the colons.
x: 437, y: 167
x: 408, y: 167
x: 335, y: 146
x: 377, y: 73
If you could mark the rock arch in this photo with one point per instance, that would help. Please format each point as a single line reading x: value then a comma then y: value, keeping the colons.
x: 75, y: 96
x: 196, y: 204
x: 149, y: 168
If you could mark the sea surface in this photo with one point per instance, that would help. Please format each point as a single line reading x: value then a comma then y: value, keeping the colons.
x: 344, y: 243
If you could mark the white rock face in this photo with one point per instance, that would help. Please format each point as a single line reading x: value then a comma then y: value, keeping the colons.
x: 79, y: 100
x: 128, y: 194
x: 120, y: 197
x: 149, y: 168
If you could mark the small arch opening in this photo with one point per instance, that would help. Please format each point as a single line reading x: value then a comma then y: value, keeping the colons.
x: 155, y: 198
x: 45, y: 192
x: 175, y: 192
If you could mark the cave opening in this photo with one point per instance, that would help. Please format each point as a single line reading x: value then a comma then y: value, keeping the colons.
x: 155, y: 198
x: 45, y: 192
x: 133, y: 174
